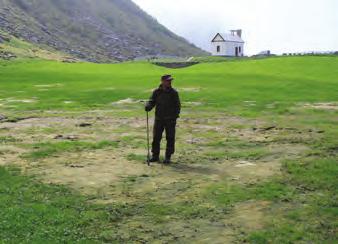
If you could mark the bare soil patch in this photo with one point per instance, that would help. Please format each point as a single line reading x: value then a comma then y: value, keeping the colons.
x: 322, y: 106
x: 126, y: 101
x: 249, y: 215
x: 10, y: 155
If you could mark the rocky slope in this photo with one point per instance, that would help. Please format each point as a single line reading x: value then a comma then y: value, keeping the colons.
x: 99, y: 31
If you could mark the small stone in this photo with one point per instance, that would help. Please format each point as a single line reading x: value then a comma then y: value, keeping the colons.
x: 76, y: 166
x: 84, y: 125
x: 69, y: 137
x: 2, y: 117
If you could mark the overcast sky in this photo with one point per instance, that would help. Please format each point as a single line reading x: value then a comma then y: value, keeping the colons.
x: 276, y: 25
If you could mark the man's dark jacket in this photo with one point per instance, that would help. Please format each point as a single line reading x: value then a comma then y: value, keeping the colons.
x: 167, y: 102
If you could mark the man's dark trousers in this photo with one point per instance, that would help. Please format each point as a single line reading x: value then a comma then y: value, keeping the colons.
x: 169, y: 125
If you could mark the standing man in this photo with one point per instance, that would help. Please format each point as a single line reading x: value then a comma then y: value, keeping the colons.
x: 168, y: 108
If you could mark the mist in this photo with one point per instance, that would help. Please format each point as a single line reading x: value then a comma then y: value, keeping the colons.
x: 279, y: 26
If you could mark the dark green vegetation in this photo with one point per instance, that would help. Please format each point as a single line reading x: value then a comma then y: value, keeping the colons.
x: 36, y: 213
x: 310, y: 190
x: 101, y: 31
x: 256, y: 158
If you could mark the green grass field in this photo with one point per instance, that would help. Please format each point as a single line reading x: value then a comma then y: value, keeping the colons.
x: 256, y: 156
x: 285, y: 81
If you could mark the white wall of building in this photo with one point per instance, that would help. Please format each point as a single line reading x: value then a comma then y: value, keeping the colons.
x: 227, y: 48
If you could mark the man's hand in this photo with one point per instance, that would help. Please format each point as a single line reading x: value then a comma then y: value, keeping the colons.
x: 147, y: 108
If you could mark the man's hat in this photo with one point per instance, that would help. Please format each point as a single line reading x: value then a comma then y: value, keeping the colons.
x: 167, y: 78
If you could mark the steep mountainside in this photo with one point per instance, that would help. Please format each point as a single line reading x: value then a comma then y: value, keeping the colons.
x: 12, y: 47
x: 99, y: 31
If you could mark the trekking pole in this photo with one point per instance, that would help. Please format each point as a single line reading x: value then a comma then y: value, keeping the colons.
x: 148, y: 147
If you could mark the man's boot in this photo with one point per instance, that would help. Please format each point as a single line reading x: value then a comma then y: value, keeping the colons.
x: 167, y: 159
x: 154, y: 159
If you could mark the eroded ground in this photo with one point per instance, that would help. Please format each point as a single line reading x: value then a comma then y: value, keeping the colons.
x: 102, y: 154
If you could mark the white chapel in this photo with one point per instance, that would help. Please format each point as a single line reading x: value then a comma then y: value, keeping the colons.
x: 228, y: 44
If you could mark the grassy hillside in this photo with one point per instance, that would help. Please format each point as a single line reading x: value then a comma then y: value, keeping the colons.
x: 12, y: 47
x: 256, y: 156
x: 100, y: 32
